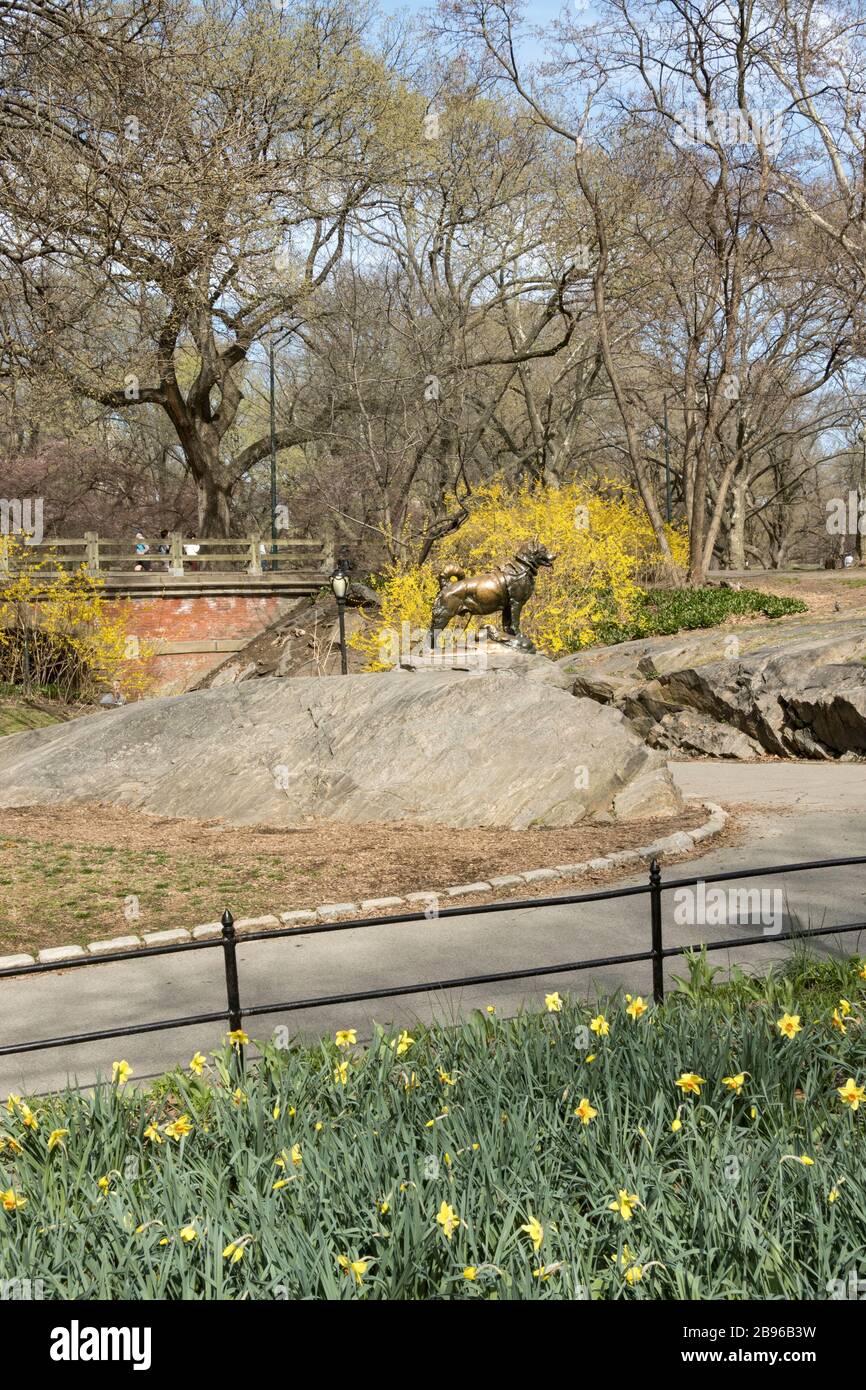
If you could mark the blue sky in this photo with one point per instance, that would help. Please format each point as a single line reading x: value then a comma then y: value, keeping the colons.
x: 536, y: 12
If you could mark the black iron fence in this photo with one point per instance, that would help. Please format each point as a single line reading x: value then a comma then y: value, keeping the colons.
x: 235, y: 1013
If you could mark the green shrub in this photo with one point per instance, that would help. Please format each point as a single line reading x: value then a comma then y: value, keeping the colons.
x: 660, y: 612
x: 280, y: 1179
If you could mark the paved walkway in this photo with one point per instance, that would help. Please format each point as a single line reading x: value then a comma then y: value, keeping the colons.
x: 830, y: 821
x: 839, y: 787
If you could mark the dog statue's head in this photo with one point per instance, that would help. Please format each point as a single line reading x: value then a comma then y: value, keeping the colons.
x: 535, y: 555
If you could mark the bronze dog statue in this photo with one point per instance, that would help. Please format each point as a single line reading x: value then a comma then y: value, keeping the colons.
x: 507, y: 587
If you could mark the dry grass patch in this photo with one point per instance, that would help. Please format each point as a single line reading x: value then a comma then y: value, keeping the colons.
x: 69, y: 874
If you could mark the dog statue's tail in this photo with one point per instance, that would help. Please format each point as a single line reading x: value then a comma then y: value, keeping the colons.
x: 452, y: 576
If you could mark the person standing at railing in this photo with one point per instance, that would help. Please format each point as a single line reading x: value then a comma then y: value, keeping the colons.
x: 141, y: 549
x: 191, y: 549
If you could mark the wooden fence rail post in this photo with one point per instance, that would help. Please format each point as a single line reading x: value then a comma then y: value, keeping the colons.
x: 91, y: 552
x: 176, y: 556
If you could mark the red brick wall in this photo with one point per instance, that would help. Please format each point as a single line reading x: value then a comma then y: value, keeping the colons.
x: 200, y: 619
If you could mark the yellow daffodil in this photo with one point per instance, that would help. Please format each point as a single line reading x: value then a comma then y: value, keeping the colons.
x: 346, y: 1037
x: 296, y: 1155
x: 234, y: 1251
x: 197, y: 1063
x: 188, y: 1234
x: 276, y: 1111
x: 446, y: 1078
x: 470, y: 1272
x: 239, y: 1097
x: 625, y: 1203
x: 599, y: 1025
x: 637, y: 1008
x: 26, y: 1116
x: 534, y: 1229
x: 852, y: 1094
x: 12, y: 1101
x: 121, y: 1072
x: 833, y: 1195
x: 553, y: 1003
x: 103, y: 1184
x: 735, y: 1083
x: 676, y: 1123
x: 341, y: 1074
x: 491, y: 1008
x: 844, y: 1007
x: 56, y: 1137
x: 448, y: 1219
x: 178, y: 1128
x: 632, y: 1271
x: 590, y: 1057
x: 403, y: 1043
x: 690, y: 1083
x: 836, y: 1022
x: 585, y: 1112
x: 11, y: 1200
x: 152, y: 1134
x: 356, y: 1268
x: 789, y: 1025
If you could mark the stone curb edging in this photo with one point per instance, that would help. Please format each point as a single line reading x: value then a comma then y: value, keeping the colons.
x: 679, y: 843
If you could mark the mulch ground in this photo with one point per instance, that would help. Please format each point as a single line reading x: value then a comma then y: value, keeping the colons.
x: 78, y: 874
x: 824, y: 592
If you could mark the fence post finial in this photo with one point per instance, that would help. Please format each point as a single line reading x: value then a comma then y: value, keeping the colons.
x: 231, y: 964
x: 655, y: 878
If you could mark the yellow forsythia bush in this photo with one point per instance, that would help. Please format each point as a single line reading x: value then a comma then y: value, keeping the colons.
x: 60, y: 635
x: 602, y: 540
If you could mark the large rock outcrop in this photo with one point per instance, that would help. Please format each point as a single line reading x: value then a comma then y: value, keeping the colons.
x: 492, y: 749
x: 794, y: 689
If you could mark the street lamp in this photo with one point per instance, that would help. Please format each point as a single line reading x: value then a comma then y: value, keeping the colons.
x: 860, y: 540
x: 340, y: 581
x: 272, y: 347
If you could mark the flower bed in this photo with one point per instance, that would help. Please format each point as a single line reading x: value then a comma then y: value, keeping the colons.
x: 709, y: 1149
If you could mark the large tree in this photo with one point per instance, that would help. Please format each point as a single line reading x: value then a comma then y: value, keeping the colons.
x: 176, y: 180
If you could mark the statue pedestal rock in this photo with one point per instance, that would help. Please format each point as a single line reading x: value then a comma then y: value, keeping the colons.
x: 483, y: 657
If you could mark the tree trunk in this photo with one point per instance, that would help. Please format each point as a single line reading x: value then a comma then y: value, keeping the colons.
x: 737, y: 528
x: 201, y: 449
x: 860, y: 541
x: 214, y: 505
